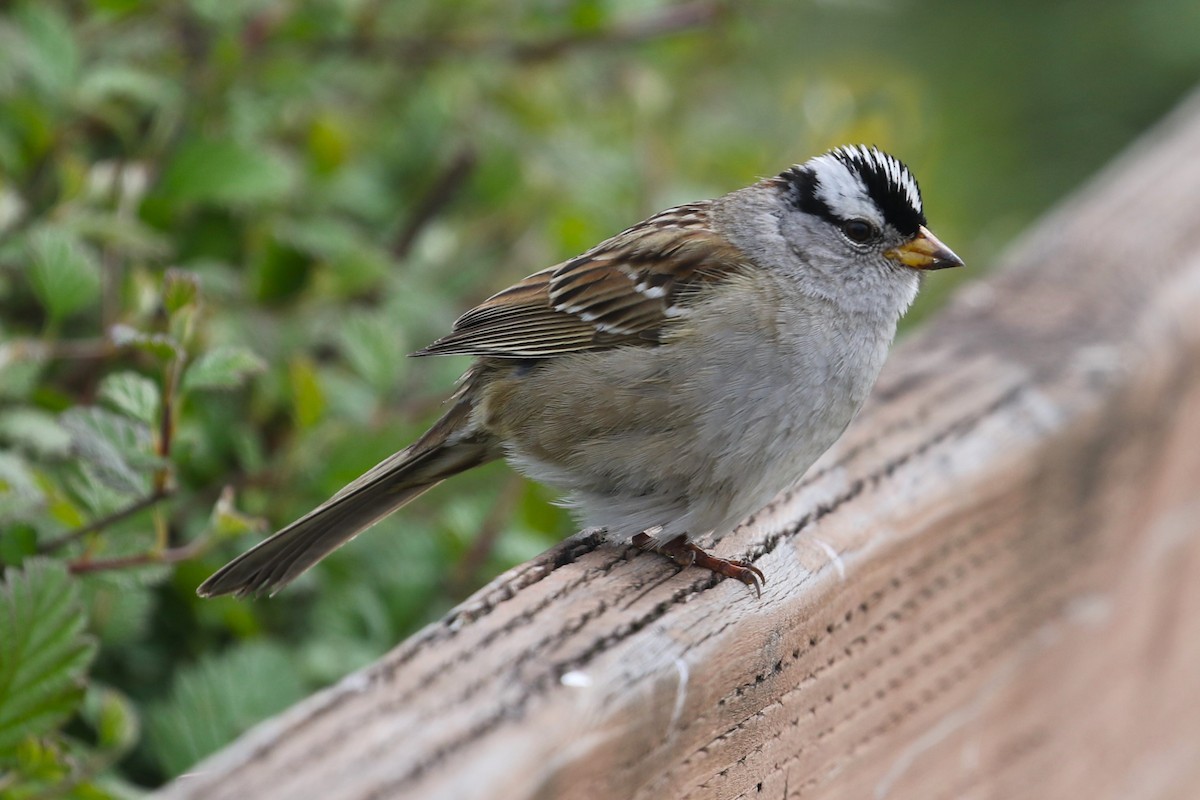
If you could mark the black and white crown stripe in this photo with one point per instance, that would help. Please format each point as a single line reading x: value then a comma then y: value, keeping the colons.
x: 873, y: 160
x: 858, y: 182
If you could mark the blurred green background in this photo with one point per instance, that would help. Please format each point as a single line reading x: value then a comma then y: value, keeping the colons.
x: 224, y: 224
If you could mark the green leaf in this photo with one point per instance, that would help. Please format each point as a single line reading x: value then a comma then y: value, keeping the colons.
x: 225, y: 367
x: 120, y: 607
x: 63, y: 272
x: 375, y: 348
x: 17, y: 542
x: 116, y: 449
x: 113, y: 717
x: 218, y: 698
x: 180, y: 290
x: 223, y: 171
x: 48, y: 51
x: 307, y: 396
x: 21, y: 498
x: 44, y: 652
x: 18, y: 375
x: 355, y: 262
x: 128, y: 236
x: 329, y: 142
x: 106, y: 83
x: 131, y: 394
x: 35, y: 431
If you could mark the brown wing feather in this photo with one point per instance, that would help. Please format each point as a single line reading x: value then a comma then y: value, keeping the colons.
x: 624, y: 290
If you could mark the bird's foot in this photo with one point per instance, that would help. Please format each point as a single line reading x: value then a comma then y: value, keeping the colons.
x: 687, y: 554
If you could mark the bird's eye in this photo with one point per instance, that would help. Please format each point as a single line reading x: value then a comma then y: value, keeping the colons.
x: 858, y: 230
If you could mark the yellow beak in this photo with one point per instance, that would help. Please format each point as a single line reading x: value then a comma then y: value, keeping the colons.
x: 924, y: 251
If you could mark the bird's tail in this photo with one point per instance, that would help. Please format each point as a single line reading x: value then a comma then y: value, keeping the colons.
x: 446, y: 449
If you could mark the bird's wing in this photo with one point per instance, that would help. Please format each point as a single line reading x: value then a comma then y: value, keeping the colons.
x: 623, y: 291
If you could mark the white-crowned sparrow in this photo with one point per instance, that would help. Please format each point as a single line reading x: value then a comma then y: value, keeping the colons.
x: 672, y: 379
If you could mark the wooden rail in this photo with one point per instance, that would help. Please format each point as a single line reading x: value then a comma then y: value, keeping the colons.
x: 990, y: 588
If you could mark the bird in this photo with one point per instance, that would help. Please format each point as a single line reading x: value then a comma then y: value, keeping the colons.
x: 671, y: 380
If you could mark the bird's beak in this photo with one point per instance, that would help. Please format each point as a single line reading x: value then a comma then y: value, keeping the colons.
x: 924, y: 251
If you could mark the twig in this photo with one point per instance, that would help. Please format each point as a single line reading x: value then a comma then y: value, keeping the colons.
x: 674, y: 19
x: 112, y: 267
x: 166, y: 424
x: 444, y: 189
x: 423, y: 50
x: 171, y: 555
x: 119, y: 515
x: 34, y: 350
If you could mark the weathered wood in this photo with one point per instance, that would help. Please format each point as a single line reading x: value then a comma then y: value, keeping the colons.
x: 989, y: 589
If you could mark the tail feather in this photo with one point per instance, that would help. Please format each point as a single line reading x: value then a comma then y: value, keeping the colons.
x: 399, y: 479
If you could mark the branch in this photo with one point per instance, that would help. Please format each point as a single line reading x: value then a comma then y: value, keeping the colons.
x: 446, y: 186
x: 669, y: 21
x: 171, y: 555
x: 137, y: 506
x: 36, y: 350
x: 424, y: 50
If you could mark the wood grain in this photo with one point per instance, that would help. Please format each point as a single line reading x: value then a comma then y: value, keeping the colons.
x: 987, y: 590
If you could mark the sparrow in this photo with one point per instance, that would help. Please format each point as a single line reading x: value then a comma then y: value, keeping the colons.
x: 671, y: 380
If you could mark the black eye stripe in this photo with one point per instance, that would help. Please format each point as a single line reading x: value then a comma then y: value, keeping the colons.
x: 803, y: 184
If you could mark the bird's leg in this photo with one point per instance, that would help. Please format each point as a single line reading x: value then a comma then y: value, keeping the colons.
x: 686, y: 554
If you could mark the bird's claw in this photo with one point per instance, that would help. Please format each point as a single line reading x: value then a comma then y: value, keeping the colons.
x: 686, y: 554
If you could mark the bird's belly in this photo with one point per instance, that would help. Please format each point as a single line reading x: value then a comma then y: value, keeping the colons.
x: 650, y: 437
